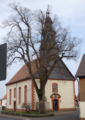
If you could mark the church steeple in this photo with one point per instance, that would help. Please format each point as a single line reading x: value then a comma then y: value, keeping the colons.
x: 48, y: 34
x: 48, y: 21
x: 48, y: 30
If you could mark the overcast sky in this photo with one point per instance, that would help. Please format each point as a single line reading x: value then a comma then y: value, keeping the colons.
x: 71, y: 13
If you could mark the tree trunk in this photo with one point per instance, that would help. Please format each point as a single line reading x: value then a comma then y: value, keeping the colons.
x: 41, y: 104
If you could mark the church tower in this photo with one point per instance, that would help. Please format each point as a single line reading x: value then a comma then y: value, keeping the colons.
x: 48, y: 34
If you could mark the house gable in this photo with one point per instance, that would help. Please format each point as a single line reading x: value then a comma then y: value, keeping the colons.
x: 60, y: 72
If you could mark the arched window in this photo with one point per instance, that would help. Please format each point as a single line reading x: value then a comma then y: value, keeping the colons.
x: 19, y: 95
x: 25, y: 94
x: 14, y: 92
x: 54, y: 87
x: 10, y: 95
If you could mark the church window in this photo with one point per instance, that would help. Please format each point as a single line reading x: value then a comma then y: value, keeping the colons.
x: 10, y: 95
x: 14, y: 92
x: 25, y: 94
x: 19, y: 95
x: 55, y: 87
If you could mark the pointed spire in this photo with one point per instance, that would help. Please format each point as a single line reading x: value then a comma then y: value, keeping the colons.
x: 47, y: 13
x: 48, y: 19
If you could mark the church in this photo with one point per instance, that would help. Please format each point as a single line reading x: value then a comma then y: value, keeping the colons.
x: 59, y: 89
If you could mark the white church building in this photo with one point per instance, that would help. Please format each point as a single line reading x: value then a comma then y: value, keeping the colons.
x: 59, y: 89
x: 20, y: 89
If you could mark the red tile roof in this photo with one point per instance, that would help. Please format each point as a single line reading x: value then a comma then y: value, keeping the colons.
x: 5, y: 97
x: 23, y: 73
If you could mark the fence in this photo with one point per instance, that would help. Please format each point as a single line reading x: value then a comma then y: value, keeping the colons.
x: 47, y: 106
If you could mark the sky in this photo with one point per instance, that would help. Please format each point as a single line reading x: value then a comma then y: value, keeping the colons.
x: 71, y: 13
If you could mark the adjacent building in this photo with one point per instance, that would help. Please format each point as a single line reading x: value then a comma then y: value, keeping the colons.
x: 4, y: 100
x: 81, y: 75
x: 0, y: 103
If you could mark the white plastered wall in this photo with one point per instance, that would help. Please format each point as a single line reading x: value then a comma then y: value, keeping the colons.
x: 12, y: 98
x: 82, y: 109
x: 65, y: 90
x: 22, y: 84
x: 17, y: 85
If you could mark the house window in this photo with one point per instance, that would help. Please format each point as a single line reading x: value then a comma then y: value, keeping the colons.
x: 19, y: 95
x: 25, y: 94
x: 10, y: 95
x: 14, y: 92
x: 54, y: 87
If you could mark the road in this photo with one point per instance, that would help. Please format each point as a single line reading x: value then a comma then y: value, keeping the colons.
x: 7, y: 118
x: 69, y: 116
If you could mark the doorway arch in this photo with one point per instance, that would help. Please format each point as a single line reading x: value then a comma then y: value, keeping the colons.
x: 55, y: 104
x: 14, y: 105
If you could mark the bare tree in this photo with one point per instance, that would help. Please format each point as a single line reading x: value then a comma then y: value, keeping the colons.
x: 36, y: 34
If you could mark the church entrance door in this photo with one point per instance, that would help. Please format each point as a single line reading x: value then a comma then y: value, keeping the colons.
x: 55, y: 104
x: 15, y: 105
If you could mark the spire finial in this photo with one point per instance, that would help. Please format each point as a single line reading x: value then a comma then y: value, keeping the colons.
x: 48, y: 10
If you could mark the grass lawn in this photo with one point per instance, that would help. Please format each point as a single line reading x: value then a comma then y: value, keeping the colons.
x: 6, y: 111
x: 30, y: 113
